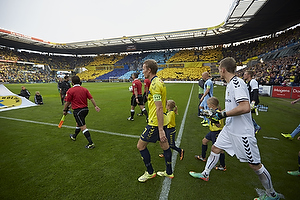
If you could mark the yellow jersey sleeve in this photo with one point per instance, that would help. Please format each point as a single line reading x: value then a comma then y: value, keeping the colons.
x: 157, y: 92
x: 171, y: 119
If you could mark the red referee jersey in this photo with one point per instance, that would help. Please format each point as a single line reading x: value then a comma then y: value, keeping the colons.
x: 147, y: 83
x: 78, y: 96
x: 138, y: 85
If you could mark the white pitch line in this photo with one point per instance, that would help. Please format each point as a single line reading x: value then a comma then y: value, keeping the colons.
x: 167, y: 182
x: 72, y: 127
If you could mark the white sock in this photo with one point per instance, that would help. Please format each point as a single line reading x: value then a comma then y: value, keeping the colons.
x: 265, y: 178
x: 211, y: 162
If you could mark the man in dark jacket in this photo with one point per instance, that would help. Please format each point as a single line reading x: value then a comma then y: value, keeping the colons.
x: 64, y: 87
x: 252, y: 85
x: 24, y: 93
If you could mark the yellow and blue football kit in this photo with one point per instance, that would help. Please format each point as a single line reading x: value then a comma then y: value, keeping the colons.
x: 157, y: 92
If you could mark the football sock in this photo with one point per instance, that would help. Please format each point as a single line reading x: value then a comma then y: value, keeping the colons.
x: 87, y: 135
x: 222, y: 159
x: 168, y: 160
x: 77, y: 131
x: 144, y: 111
x: 147, y: 160
x: 172, y: 142
x: 211, y: 162
x: 175, y: 148
x: 131, y: 113
x: 265, y: 178
x: 255, y: 124
x: 204, y: 149
x: 296, y: 131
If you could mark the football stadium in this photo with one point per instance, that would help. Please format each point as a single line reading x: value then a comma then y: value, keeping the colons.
x: 39, y: 160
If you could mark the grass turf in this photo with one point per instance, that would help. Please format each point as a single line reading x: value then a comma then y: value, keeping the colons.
x: 41, y: 162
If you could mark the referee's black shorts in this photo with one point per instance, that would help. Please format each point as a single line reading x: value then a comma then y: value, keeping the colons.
x: 145, y: 99
x: 133, y: 101
x: 80, y: 114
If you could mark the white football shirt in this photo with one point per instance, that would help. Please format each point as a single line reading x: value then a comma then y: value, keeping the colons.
x: 253, y: 84
x: 237, y: 91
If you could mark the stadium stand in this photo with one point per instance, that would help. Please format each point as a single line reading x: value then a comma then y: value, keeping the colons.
x: 249, y: 49
x: 106, y: 60
x: 132, y: 61
x: 114, y: 73
x: 283, y: 71
x: 89, y: 75
x: 160, y: 56
x: 14, y: 73
x: 186, y: 73
x: 280, y: 53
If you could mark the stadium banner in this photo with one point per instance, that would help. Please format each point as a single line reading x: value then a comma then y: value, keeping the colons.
x: 281, y: 92
x: 296, y: 92
x: 9, y: 100
x: 264, y: 90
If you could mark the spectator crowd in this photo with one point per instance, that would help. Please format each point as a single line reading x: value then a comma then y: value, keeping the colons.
x: 16, y: 66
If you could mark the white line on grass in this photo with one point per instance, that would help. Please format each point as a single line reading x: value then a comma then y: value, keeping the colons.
x: 167, y: 182
x: 72, y: 127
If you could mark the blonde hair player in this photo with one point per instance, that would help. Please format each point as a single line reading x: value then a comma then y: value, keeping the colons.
x: 171, y: 130
x: 238, y: 137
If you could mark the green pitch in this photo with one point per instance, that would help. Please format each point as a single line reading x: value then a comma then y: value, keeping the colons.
x: 39, y: 161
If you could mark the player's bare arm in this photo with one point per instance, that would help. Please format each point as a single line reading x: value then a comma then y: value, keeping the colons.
x: 95, y: 105
x: 205, y: 93
x: 242, y: 108
x: 160, y: 120
x: 66, y: 107
x: 136, y: 95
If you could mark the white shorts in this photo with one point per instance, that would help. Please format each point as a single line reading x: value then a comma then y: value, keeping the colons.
x: 245, y: 148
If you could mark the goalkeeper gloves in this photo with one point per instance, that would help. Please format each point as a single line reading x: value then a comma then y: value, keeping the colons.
x: 213, y: 114
x: 218, y: 115
x: 252, y: 105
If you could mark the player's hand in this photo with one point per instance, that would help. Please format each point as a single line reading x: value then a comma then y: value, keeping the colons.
x: 252, y: 105
x: 201, y: 99
x: 218, y: 115
x: 137, y: 100
x: 205, y: 113
x: 162, y: 136
x: 97, y: 109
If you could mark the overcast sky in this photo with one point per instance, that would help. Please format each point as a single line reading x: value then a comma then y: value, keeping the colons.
x: 63, y: 21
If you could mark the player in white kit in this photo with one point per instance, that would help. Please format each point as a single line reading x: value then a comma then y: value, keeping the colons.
x: 238, y: 137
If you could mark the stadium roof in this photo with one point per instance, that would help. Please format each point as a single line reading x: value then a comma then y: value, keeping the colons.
x: 246, y: 19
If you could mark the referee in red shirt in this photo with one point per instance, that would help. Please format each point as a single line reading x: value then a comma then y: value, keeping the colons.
x: 147, y: 83
x: 137, y: 98
x: 77, y: 96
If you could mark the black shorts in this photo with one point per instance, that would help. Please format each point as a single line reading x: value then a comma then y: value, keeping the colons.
x: 212, y: 136
x: 171, y: 132
x: 133, y: 101
x: 151, y: 134
x: 80, y: 114
x: 145, y: 98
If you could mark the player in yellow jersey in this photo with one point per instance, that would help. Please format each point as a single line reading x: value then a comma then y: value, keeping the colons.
x: 157, y: 125
x: 171, y: 130
x: 215, y: 128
